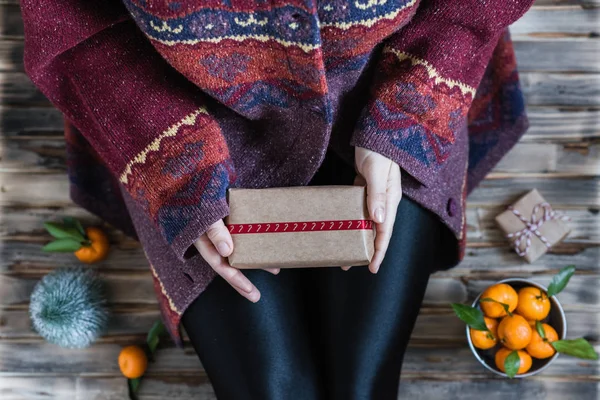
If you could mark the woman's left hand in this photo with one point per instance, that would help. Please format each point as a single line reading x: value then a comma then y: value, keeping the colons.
x: 384, y: 191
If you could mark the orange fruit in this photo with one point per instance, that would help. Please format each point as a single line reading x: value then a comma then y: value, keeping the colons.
x: 514, y: 332
x: 133, y: 362
x: 524, y: 358
x: 482, y: 339
x: 541, y: 348
x: 97, y: 250
x: 534, y: 303
x: 502, y: 293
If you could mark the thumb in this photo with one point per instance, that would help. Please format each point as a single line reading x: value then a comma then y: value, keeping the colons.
x: 376, y: 176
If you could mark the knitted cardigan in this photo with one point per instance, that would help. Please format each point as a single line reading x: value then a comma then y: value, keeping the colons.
x: 169, y: 103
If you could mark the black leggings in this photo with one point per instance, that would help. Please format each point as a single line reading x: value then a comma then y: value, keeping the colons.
x: 321, y: 333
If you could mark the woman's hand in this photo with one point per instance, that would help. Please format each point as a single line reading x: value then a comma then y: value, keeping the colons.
x: 214, y: 246
x: 384, y: 191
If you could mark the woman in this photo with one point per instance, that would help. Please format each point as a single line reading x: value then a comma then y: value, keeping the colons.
x: 169, y: 103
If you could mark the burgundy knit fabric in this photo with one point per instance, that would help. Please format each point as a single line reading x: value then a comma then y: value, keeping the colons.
x: 174, y: 102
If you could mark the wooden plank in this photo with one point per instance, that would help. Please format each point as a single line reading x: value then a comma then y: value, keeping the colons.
x: 441, y: 324
x: 545, y: 18
x: 554, y: 22
x: 123, y: 323
x: 502, y: 262
x: 433, y: 324
x: 40, y: 121
x: 11, y: 23
x: 45, y: 155
x: 38, y: 388
x: 580, y: 55
x: 546, y: 123
x: 498, y: 389
x: 35, y: 155
x: 120, y: 288
x: 17, y: 88
x: 482, y: 227
x: 554, y: 89
x: 571, y: 192
x: 191, y: 387
x: 443, y: 288
x: 549, y: 123
x: 51, y: 190
x: 11, y: 55
x: 566, y: 3
x: 577, y: 158
x: 551, y: 89
x: 424, y: 361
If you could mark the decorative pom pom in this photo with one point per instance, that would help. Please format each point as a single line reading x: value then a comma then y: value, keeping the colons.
x: 68, y: 307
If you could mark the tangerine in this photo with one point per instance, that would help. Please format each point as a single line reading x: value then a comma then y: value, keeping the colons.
x: 533, y: 304
x: 500, y: 293
x: 541, y: 348
x: 514, y: 332
x: 133, y: 362
x: 485, y: 339
x: 98, y: 248
x: 525, y: 360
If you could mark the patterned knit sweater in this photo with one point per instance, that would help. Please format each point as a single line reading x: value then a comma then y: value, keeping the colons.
x: 169, y: 103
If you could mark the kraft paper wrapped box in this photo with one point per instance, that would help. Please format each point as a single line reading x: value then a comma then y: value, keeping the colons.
x: 533, y: 226
x: 307, y: 226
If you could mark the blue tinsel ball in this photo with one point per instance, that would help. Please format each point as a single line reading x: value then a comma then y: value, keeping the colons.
x: 68, y: 307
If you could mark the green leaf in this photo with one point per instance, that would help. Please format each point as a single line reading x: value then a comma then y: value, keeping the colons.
x: 540, y: 329
x: 470, y: 316
x: 505, y: 306
x: 60, y: 231
x: 133, y: 384
x: 560, y: 280
x: 512, y: 364
x: 579, y: 348
x: 74, y: 223
x: 154, y: 334
x: 62, y: 246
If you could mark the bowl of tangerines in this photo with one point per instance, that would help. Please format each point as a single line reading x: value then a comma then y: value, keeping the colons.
x: 517, y: 327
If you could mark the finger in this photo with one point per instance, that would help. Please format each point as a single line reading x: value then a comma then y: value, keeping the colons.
x: 232, y: 275
x: 346, y: 268
x: 377, y: 189
x: 220, y: 237
x: 384, y: 231
x: 274, y: 271
x: 238, y: 281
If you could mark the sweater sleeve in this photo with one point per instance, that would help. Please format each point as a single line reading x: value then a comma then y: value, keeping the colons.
x: 425, y: 81
x: 150, y: 125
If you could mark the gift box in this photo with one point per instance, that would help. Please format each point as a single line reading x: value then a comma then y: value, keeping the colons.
x: 533, y: 226
x: 308, y: 226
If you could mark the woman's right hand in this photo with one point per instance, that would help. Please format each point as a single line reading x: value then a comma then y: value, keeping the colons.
x: 214, y: 246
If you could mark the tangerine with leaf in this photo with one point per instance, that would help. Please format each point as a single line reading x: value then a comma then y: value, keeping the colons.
x: 533, y: 303
x: 495, y: 297
x: 540, y: 345
x: 485, y: 339
x: 89, y: 245
x: 524, y: 362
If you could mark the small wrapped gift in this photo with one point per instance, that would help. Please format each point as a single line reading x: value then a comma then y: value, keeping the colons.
x: 307, y: 226
x: 533, y: 226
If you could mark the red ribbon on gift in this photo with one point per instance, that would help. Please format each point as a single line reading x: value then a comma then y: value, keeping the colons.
x: 304, y: 226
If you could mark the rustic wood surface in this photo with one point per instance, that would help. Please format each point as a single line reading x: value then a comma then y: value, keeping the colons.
x: 558, y: 49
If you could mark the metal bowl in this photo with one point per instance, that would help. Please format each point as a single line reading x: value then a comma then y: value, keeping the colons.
x: 556, y: 319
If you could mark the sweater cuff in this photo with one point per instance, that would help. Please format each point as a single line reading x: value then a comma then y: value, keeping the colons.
x: 196, y: 224
x: 408, y: 147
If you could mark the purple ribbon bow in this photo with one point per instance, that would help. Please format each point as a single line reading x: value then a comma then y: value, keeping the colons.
x: 532, y: 227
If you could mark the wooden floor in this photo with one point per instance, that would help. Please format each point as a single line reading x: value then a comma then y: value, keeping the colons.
x: 559, y: 56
